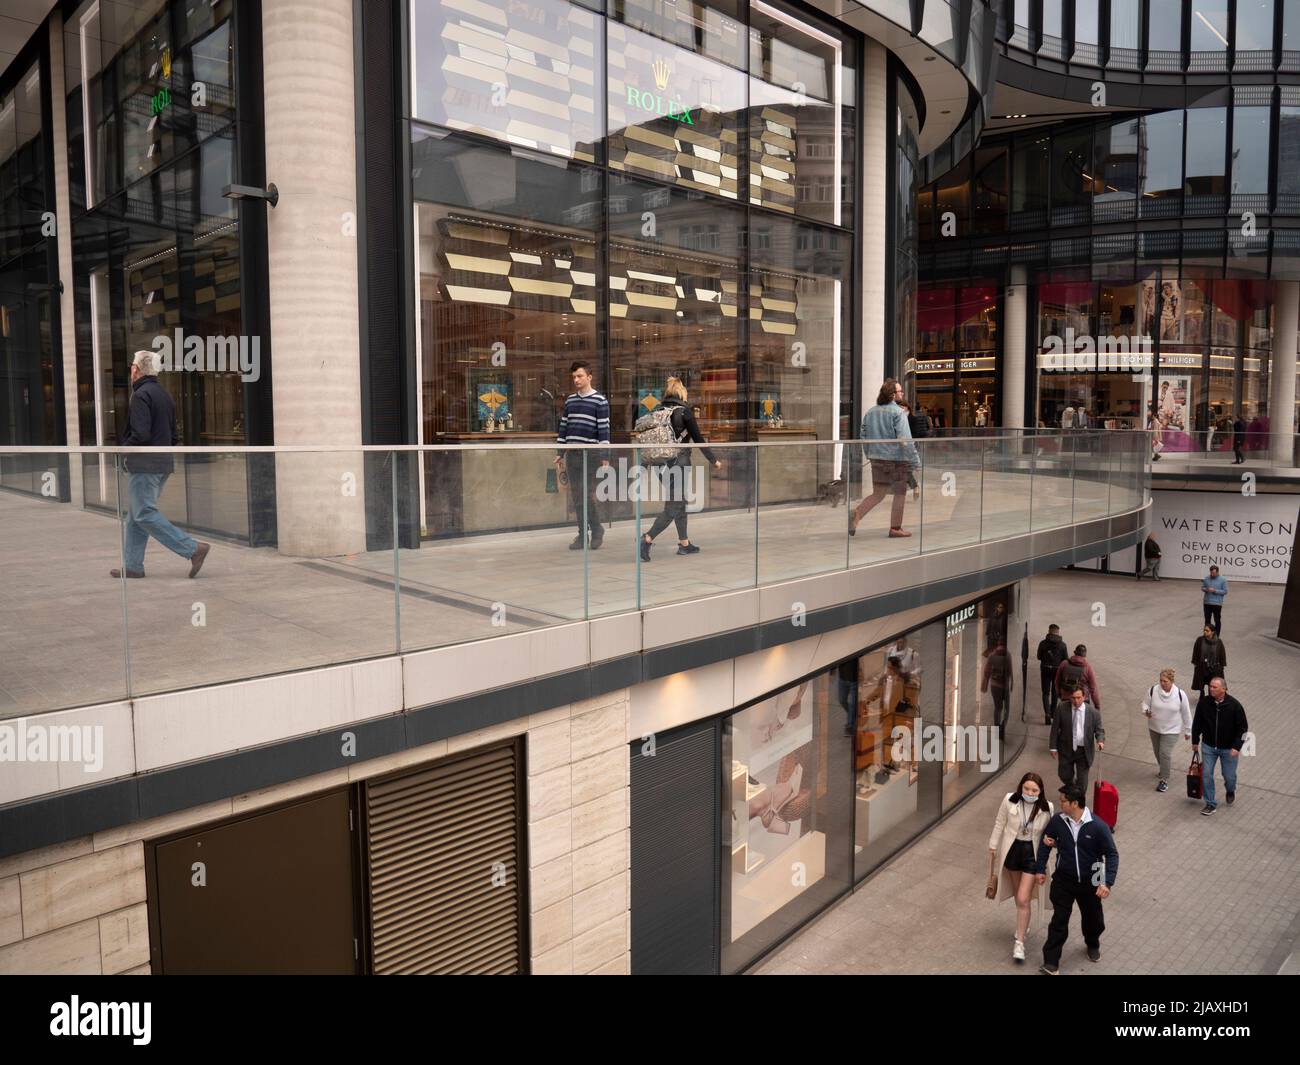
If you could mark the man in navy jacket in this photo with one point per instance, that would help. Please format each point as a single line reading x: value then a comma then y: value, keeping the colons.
x: 151, y: 422
x: 1086, y: 866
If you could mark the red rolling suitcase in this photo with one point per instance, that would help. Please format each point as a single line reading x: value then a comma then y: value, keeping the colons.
x: 1105, y: 802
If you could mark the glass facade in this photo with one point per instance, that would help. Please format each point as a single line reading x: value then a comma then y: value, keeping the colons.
x: 661, y: 191
x: 828, y: 778
x: 29, y: 379
x: 156, y: 247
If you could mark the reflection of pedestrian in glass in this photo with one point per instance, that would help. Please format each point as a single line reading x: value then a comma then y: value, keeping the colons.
x: 847, y: 675
x: 999, y: 678
x: 765, y: 730
x: 995, y: 627
x: 151, y: 422
x: 892, y: 454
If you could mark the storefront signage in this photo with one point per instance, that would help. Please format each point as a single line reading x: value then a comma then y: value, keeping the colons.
x: 945, y: 365
x: 160, y: 100
x: 958, y: 620
x: 1073, y: 353
x: 1250, y: 538
x: 655, y: 103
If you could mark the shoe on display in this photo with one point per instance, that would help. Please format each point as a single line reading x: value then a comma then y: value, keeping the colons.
x: 1018, y: 951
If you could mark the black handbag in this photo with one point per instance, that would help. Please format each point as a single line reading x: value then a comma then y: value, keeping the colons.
x: 1194, y: 780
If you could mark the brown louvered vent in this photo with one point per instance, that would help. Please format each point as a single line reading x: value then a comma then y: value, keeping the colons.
x: 445, y: 865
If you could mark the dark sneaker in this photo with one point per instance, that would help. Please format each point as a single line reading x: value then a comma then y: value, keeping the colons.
x: 1163, y: 786
x: 645, y: 549
x: 1049, y: 970
x: 578, y: 544
x: 1094, y: 954
x: 116, y: 574
x: 196, y: 559
x: 1206, y: 810
x: 596, y: 541
x: 687, y: 549
x: 1232, y: 797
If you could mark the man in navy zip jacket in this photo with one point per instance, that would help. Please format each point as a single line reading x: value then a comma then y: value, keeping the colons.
x: 1086, y: 866
x: 151, y: 422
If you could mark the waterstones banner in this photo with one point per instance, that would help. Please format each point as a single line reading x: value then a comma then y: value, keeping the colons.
x: 1250, y: 538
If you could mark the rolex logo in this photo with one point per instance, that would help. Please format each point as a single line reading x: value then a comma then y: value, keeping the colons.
x: 661, y: 71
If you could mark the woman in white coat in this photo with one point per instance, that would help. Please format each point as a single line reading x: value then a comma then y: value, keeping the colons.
x: 1013, y: 847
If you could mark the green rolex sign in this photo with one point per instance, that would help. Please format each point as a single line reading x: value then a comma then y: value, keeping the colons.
x: 655, y: 103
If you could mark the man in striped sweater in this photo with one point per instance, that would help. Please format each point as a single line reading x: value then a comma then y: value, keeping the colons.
x: 585, y: 421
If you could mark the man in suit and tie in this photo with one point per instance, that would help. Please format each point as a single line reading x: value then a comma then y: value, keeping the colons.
x: 1076, y: 737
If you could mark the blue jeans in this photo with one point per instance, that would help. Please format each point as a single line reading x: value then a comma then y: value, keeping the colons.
x: 144, y: 519
x: 1222, y: 755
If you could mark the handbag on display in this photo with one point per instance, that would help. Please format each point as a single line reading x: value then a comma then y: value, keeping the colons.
x: 1194, y: 780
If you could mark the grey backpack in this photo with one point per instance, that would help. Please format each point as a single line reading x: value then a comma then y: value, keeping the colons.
x: 656, y: 436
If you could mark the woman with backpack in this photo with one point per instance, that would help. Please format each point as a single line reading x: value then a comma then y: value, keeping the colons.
x: 1168, y: 712
x: 1209, y: 659
x: 673, y: 423
x: 1013, y: 852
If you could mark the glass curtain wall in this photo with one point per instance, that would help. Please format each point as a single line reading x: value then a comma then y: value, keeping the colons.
x: 661, y: 190
x: 29, y: 380
x: 151, y: 145
x: 825, y: 780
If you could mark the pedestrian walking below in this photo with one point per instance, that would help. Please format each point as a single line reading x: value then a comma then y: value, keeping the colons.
x: 1077, y: 736
x: 1013, y: 852
x: 151, y: 422
x: 1151, y: 553
x: 1087, y: 865
x: 1077, y: 672
x: 1220, y: 728
x: 1168, y: 713
x: 1238, y: 440
x: 1209, y: 659
x: 892, y: 455
x: 1051, y: 653
x: 1215, y: 591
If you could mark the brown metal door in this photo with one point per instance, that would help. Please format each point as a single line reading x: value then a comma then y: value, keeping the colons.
x: 269, y: 893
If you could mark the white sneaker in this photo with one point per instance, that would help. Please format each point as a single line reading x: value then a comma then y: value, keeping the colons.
x: 1018, y: 951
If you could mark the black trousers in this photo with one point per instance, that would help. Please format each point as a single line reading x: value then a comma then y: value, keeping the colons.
x: 1065, y: 892
x: 672, y: 481
x: 1213, y: 611
x: 581, y: 487
x: 1072, y: 767
x: 1049, y: 692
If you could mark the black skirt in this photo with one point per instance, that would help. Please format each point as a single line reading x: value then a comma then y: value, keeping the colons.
x: 1020, y: 857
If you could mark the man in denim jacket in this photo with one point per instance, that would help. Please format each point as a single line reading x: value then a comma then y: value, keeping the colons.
x: 892, y: 455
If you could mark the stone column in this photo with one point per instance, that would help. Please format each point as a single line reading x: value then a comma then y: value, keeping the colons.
x: 63, y: 222
x: 308, y: 70
x: 877, y: 310
x: 1281, y: 375
x: 1014, y: 310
